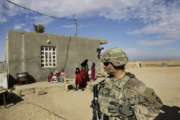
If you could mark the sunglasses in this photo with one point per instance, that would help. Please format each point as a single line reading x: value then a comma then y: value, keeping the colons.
x: 106, y: 63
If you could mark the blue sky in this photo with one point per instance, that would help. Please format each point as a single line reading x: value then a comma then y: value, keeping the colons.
x: 144, y: 29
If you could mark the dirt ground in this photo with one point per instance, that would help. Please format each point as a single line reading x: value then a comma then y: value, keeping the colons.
x: 55, y: 103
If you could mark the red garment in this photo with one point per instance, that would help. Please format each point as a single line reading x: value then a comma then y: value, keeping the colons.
x: 84, y: 75
x: 78, y: 79
x: 50, y: 77
x: 57, y: 74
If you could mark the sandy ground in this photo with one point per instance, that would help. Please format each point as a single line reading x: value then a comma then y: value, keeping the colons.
x: 59, y: 104
x: 165, y: 81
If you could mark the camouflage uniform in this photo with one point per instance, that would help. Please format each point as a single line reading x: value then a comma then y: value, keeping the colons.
x: 128, y: 98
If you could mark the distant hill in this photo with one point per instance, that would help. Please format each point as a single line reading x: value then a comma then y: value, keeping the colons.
x: 156, y: 59
x: 154, y: 63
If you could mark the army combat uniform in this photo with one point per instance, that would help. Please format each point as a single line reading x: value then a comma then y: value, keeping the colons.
x: 127, y: 99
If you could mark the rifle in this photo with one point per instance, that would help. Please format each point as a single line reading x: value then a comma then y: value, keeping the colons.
x: 95, y: 104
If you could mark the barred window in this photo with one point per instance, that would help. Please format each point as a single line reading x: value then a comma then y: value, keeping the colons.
x: 48, y: 56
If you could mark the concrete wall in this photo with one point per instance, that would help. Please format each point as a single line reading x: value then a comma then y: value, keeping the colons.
x: 3, y: 67
x: 3, y: 80
x: 24, y: 53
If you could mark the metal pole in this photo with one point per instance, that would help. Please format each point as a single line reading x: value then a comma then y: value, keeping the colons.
x: 76, y: 25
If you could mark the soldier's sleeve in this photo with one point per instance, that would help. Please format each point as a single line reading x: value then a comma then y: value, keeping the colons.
x: 148, y: 105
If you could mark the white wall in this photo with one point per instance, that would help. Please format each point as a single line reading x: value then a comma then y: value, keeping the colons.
x: 3, y: 80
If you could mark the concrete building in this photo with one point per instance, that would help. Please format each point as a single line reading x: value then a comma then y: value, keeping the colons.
x: 38, y: 53
x: 2, y: 67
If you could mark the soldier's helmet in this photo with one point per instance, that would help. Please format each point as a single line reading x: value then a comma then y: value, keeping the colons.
x: 116, y: 56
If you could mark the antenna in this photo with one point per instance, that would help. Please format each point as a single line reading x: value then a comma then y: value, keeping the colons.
x: 76, y: 26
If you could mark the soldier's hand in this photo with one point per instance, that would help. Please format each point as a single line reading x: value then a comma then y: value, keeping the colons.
x: 94, y: 104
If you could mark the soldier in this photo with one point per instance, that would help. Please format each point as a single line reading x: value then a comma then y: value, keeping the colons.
x: 121, y: 96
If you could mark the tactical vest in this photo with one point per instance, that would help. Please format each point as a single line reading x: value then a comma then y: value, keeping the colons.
x: 125, y: 93
x: 112, y: 90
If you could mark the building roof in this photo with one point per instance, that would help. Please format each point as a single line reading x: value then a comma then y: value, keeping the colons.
x: 52, y: 35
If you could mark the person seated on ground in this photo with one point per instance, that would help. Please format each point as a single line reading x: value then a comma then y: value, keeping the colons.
x: 62, y: 75
x: 54, y: 77
x: 57, y: 74
x: 50, y: 76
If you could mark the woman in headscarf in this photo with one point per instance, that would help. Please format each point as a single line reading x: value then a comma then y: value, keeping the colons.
x: 78, y: 78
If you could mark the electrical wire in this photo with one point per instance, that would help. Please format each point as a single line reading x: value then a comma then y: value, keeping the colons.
x: 35, y: 11
x: 73, y: 19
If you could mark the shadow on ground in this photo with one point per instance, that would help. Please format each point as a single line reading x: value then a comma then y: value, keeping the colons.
x: 11, y: 99
x: 170, y: 113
